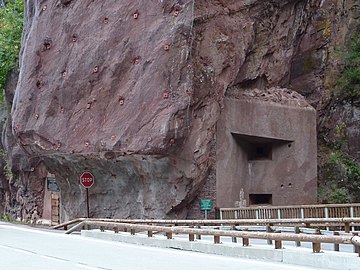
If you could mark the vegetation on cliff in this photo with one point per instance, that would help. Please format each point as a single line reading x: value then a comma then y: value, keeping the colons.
x: 349, y: 84
x: 341, y: 171
x: 11, y: 25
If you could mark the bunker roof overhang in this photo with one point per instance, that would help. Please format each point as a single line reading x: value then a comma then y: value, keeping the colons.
x: 258, y: 139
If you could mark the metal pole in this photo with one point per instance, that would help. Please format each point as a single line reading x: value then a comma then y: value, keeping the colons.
x: 352, y: 215
x: 87, y: 202
x: 206, y: 214
x: 327, y: 216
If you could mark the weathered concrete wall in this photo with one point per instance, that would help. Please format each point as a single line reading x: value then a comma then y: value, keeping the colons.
x: 289, y: 124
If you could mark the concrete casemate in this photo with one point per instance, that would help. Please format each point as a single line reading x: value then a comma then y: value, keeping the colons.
x: 266, y: 150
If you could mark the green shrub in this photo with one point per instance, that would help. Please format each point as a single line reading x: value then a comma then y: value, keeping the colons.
x: 6, y: 218
x: 343, y: 178
x: 348, y: 86
x: 11, y: 25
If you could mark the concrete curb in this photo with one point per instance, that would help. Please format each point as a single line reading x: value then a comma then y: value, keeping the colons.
x: 296, y: 256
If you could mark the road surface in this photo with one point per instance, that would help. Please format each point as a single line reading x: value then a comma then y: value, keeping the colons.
x: 29, y: 248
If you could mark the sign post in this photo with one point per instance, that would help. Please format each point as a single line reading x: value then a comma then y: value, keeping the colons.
x: 206, y: 205
x: 87, y: 180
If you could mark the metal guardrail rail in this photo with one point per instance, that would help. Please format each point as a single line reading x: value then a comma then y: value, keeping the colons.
x: 316, y: 239
x: 294, y: 211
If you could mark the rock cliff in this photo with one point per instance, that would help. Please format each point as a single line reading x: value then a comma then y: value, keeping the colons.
x: 132, y: 91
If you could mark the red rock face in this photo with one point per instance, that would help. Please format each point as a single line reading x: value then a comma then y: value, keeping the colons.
x: 132, y: 91
x: 97, y: 74
x: 103, y: 85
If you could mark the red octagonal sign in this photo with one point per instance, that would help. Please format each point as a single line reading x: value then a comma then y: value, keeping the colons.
x: 87, y: 179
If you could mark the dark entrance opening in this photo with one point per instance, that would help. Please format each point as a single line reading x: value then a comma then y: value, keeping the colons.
x: 260, y: 199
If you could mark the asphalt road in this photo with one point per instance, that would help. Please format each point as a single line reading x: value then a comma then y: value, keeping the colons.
x: 28, y: 248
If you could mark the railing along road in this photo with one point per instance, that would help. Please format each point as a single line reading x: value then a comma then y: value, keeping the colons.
x: 294, y: 211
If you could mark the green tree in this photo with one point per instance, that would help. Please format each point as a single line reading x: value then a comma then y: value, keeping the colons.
x: 11, y: 25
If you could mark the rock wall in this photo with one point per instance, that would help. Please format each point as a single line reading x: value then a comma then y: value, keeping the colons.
x: 132, y: 92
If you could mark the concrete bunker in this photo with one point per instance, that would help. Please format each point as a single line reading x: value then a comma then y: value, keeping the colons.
x: 266, y: 150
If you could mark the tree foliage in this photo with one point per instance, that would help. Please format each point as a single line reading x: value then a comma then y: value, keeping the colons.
x: 11, y: 25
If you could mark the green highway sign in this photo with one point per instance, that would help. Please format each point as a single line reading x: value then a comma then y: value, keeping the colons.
x: 206, y: 204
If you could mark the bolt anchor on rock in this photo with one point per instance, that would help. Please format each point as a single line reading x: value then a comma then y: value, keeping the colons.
x: 166, y: 47
x: 166, y: 94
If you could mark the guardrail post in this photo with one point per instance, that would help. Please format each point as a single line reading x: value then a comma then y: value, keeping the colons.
x: 198, y: 236
x: 269, y: 230
x: 302, y: 213
x: 216, y: 237
x: 257, y: 214
x: 316, y: 246
x: 221, y: 214
x: 278, y: 244
x: 245, y: 240
x: 297, y: 231
x: 356, y: 248
x: 169, y: 235
x: 132, y: 231
x: 116, y: 229
x: 191, y: 235
x: 125, y: 229
x: 233, y: 239
x: 150, y: 233
x: 65, y: 227
x: 347, y: 227
x: 336, y: 246
x: 102, y: 229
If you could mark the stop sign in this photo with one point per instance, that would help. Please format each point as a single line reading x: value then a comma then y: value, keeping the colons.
x: 87, y: 179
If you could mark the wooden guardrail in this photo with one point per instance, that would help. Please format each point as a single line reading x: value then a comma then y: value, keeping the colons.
x: 294, y: 211
x: 307, y: 222
x: 316, y: 240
